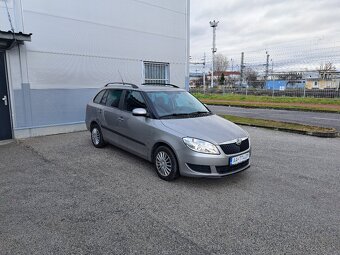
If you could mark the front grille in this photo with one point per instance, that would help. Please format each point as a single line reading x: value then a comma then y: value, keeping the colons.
x: 200, y: 168
x: 233, y: 148
x: 228, y: 169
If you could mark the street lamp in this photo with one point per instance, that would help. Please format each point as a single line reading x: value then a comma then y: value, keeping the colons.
x: 213, y: 24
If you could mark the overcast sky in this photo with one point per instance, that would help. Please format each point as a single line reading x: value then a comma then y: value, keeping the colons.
x: 299, y: 33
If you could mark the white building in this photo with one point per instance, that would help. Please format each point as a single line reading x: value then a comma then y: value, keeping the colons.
x: 78, y: 46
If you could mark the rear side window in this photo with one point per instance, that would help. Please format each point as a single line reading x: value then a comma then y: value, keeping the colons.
x: 103, y: 101
x: 134, y: 99
x: 99, y: 97
x: 113, y: 97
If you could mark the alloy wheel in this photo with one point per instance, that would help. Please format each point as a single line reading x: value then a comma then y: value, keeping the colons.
x: 95, y: 135
x: 163, y: 163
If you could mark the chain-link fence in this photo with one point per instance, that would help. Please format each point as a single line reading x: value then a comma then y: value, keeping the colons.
x: 296, y: 92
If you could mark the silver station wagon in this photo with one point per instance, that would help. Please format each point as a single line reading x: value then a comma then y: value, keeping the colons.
x: 169, y: 127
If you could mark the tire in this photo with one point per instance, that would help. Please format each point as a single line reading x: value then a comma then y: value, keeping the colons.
x: 166, y: 163
x: 97, y: 137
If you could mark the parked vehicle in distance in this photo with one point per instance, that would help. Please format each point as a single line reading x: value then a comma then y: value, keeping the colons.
x: 169, y: 127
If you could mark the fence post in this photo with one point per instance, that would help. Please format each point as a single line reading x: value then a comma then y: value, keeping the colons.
x: 304, y: 91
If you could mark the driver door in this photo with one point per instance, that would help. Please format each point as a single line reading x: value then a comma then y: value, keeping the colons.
x: 135, y: 130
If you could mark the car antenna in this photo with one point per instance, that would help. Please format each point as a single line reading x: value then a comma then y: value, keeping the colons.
x: 121, y: 77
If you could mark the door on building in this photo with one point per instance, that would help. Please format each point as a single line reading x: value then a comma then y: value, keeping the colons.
x: 5, y: 119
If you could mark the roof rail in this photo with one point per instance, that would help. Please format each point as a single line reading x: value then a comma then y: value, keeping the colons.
x: 161, y: 84
x: 122, y: 83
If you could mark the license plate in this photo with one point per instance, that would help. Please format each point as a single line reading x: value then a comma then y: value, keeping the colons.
x: 239, y: 159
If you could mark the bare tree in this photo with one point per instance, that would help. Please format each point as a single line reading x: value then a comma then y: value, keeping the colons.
x: 220, y: 63
x: 250, y: 76
x: 326, y: 69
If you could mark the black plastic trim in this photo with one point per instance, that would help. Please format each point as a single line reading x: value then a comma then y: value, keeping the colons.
x: 117, y: 133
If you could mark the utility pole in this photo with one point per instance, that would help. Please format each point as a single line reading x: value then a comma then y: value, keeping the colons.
x: 203, y: 63
x: 204, y: 71
x: 213, y: 24
x: 272, y: 69
x: 241, y: 68
x: 267, y: 67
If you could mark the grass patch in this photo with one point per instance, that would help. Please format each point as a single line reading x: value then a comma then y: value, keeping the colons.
x: 285, y: 103
x: 269, y: 99
x: 284, y: 126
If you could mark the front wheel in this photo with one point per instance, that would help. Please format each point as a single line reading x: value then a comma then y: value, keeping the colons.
x: 166, y: 163
x: 97, y: 137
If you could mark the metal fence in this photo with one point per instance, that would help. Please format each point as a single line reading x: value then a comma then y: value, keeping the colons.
x: 300, y: 92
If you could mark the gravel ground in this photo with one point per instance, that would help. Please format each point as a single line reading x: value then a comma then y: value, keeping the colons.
x: 60, y: 195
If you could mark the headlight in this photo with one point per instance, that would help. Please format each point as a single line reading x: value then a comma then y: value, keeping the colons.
x: 200, y: 146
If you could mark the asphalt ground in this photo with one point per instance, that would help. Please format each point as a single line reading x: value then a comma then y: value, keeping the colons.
x: 60, y: 195
x: 310, y: 118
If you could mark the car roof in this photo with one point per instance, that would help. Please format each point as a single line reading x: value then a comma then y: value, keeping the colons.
x: 144, y: 87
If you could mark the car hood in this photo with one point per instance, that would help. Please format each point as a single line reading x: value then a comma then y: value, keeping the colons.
x: 210, y: 128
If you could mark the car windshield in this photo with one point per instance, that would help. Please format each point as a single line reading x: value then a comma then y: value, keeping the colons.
x: 170, y: 104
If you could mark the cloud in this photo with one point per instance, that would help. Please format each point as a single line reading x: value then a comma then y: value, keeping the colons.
x: 286, y: 27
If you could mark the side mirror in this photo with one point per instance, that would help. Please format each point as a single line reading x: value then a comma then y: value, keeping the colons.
x: 139, y: 112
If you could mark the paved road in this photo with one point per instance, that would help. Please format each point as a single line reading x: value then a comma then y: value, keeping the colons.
x: 311, y: 118
x: 60, y: 195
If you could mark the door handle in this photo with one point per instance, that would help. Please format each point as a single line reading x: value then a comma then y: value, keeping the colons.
x: 5, y: 100
x: 100, y: 110
x: 120, y: 118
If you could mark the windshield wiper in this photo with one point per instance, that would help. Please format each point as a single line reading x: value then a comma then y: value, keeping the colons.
x: 184, y: 114
x: 174, y: 115
x: 199, y: 112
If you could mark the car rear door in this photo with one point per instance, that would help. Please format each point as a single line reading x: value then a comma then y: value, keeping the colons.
x: 110, y: 113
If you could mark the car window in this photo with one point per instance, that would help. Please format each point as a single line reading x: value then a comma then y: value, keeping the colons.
x: 113, y: 97
x: 176, y: 102
x: 99, y: 96
x: 103, y: 101
x: 161, y: 101
x: 133, y: 100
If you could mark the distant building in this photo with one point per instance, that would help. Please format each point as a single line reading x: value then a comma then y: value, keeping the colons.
x: 322, y: 80
x: 284, y: 84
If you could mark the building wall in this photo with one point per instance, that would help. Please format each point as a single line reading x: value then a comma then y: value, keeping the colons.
x: 323, y: 84
x: 80, y: 45
x: 276, y: 84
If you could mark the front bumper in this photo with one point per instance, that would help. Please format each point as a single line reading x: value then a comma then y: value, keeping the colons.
x: 196, y: 164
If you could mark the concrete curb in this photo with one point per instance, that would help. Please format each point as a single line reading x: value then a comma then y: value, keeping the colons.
x: 330, y: 134
x: 5, y: 142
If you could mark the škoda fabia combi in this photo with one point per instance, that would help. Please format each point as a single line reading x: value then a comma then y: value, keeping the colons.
x: 169, y: 127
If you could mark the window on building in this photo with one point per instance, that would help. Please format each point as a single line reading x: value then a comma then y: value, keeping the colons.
x: 155, y: 72
x: 315, y: 84
x: 113, y: 97
x: 133, y: 100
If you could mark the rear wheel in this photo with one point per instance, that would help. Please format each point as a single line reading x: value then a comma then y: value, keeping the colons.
x: 166, y: 163
x: 97, y: 136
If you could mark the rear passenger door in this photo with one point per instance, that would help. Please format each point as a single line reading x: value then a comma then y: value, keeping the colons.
x: 135, y: 130
x: 110, y: 115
